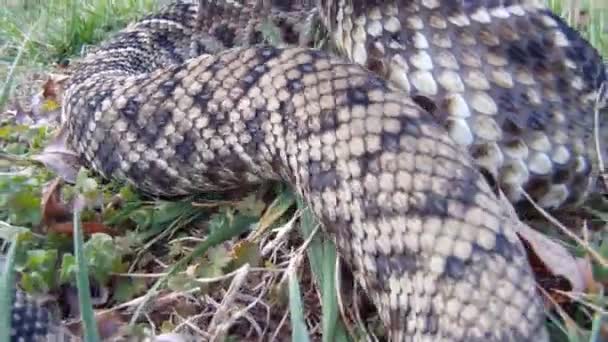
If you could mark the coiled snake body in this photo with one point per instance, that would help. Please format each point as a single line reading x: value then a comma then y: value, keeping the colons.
x: 387, y: 151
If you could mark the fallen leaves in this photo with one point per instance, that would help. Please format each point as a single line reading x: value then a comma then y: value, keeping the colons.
x: 551, y: 260
x: 555, y: 268
x: 89, y: 228
x: 57, y: 157
x: 53, y: 88
x: 57, y: 215
x: 53, y: 209
x: 557, y: 260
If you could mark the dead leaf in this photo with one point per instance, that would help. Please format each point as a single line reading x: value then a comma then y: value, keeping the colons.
x: 551, y: 260
x: 17, y: 115
x: 88, y: 228
x: 59, y: 158
x: 245, y: 252
x: 552, y: 264
x: 53, y: 87
x: 53, y: 209
x: 57, y: 215
x: 109, y: 325
x: 52, y: 92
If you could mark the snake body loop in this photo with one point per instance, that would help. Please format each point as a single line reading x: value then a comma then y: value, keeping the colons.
x: 384, y: 144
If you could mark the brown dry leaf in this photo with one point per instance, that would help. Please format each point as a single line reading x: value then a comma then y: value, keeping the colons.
x: 109, y: 325
x: 88, y: 228
x: 53, y: 210
x: 56, y: 215
x: 52, y: 89
x: 59, y: 158
x: 550, y: 260
x: 557, y: 261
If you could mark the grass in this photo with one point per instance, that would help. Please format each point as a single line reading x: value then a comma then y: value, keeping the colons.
x: 6, y: 290
x: 63, y: 28
x: 157, y: 252
x: 590, y: 17
x: 85, y: 305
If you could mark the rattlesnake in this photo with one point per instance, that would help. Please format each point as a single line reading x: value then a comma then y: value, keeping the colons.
x: 398, y: 152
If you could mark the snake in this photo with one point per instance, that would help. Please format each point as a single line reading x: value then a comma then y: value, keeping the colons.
x: 400, y: 138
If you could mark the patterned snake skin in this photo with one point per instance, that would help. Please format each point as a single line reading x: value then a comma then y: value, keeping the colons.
x: 387, y: 151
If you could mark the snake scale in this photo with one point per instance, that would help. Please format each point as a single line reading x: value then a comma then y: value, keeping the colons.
x: 396, y: 143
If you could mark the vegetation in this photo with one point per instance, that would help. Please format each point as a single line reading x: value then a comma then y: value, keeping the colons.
x: 217, y: 266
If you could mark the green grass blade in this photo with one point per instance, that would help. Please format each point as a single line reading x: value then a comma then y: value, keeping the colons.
x: 322, y: 256
x: 10, y: 77
x: 82, y: 282
x: 299, y: 332
x: 596, y: 327
x: 7, y: 281
x: 332, y: 327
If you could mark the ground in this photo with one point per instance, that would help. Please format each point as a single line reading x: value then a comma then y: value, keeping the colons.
x: 243, y: 265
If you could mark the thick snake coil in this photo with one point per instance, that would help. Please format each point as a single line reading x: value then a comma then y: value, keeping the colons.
x: 386, y: 150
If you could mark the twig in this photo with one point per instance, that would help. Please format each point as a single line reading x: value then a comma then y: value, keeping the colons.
x: 370, y: 336
x: 254, y: 325
x: 219, y: 325
x: 578, y: 297
x: 279, y: 326
x: 596, y: 131
x: 281, y: 235
x: 567, y: 231
x: 236, y: 272
x: 558, y: 307
x: 338, y: 282
x: 299, y: 253
x: 188, y: 321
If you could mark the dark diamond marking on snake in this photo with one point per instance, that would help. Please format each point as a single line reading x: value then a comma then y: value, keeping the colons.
x: 109, y: 161
x: 187, y: 147
x: 131, y: 109
x: 390, y: 141
x: 323, y: 179
x: 294, y: 86
x: 225, y: 34
x: 399, y: 264
x: 562, y: 174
